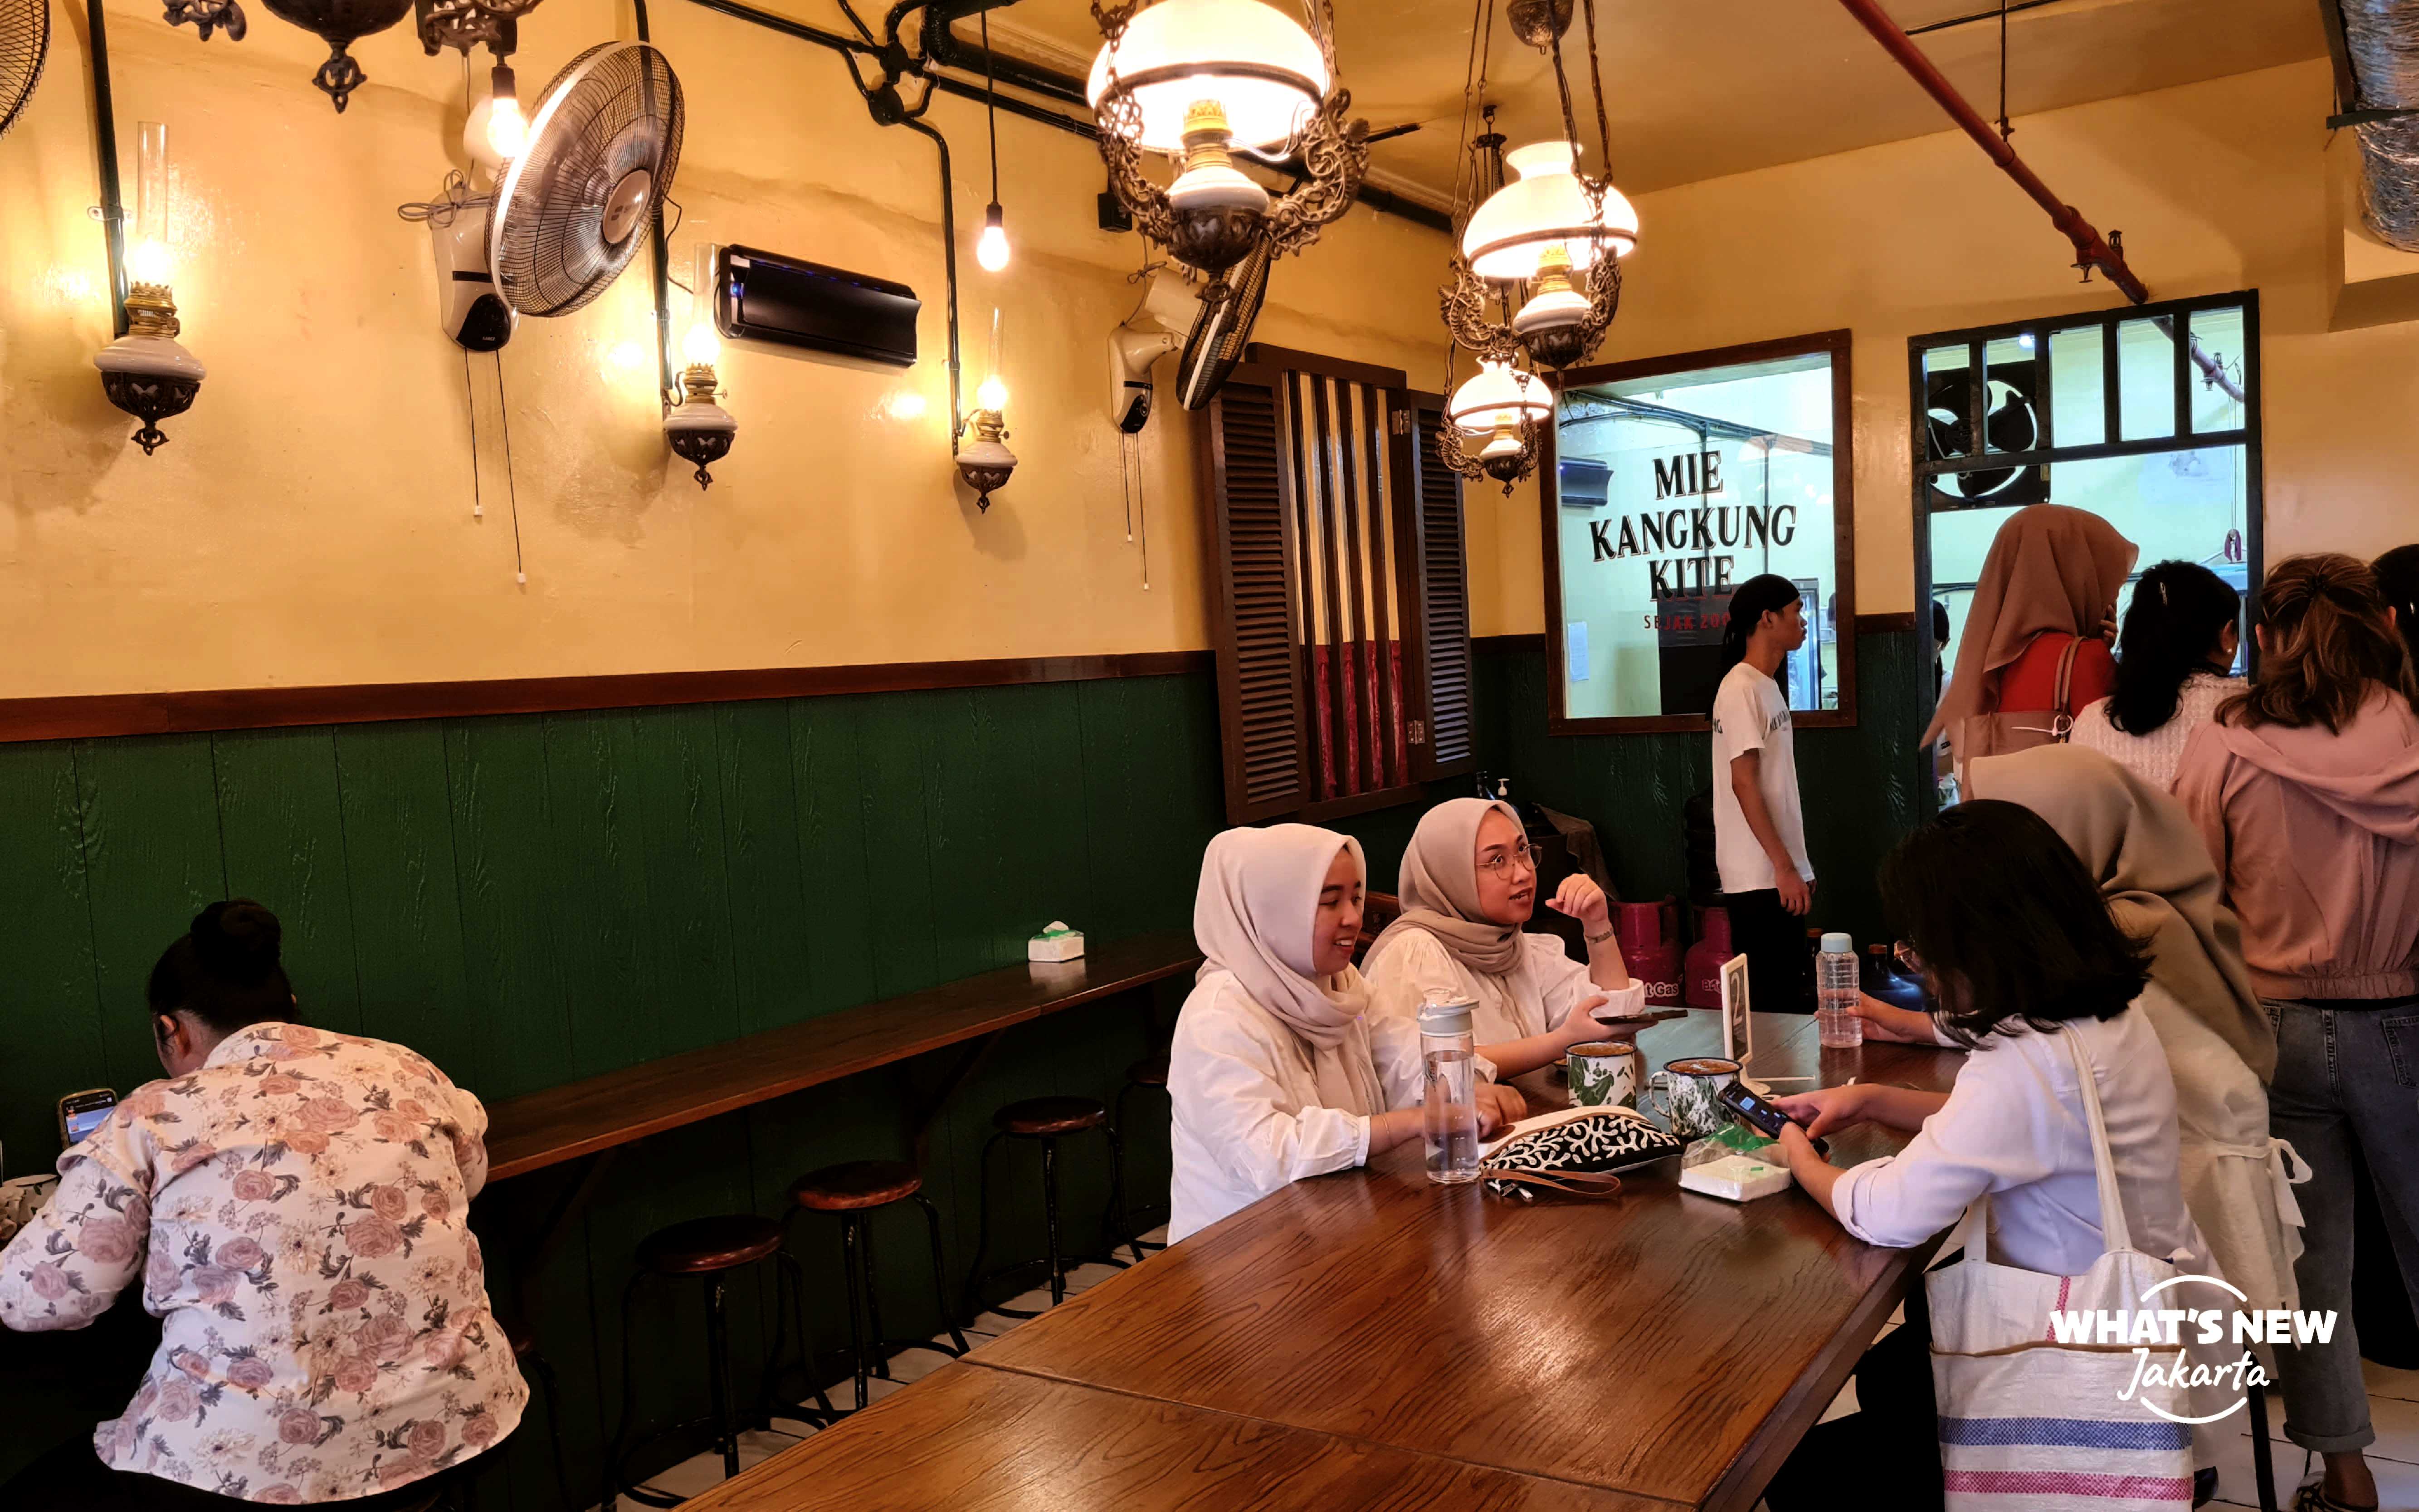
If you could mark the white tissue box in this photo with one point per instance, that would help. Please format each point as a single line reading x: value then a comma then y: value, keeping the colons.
x: 1736, y: 1179
x: 1056, y: 943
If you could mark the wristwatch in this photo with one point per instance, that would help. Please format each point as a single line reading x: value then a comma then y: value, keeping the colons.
x: 1599, y: 939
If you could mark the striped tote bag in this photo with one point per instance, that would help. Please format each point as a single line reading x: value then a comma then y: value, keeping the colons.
x: 2028, y: 1424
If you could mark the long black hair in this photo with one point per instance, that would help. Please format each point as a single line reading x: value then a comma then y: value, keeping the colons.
x: 226, y: 970
x: 1765, y: 594
x: 2171, y: 629
x: 2011, y: 929
x: 2398, y: 579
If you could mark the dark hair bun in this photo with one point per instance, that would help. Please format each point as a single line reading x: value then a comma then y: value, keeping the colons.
x: 237, y: 940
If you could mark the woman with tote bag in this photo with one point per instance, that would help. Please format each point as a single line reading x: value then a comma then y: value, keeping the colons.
x: 2059, y: 1144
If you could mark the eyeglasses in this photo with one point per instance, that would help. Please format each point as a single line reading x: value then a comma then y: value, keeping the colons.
x: 1520, y: 856
x: 1907, y: 958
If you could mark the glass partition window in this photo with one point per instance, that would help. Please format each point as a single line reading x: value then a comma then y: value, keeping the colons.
x: 2146, y: 417
x: 1673, y: 482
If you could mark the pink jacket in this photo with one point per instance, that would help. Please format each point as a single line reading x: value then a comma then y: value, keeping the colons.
x: 2317, y: 839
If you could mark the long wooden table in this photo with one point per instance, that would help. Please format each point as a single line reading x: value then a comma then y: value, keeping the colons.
x: 562, y: 1123
x: 1660, y: 1349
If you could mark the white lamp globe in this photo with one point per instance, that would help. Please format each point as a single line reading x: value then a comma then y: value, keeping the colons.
x: 1543, y: 206
x: 1253, y: 59
x: 1496, y: 397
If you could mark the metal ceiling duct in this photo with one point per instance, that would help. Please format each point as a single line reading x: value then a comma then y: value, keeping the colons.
x: 2380, y: 39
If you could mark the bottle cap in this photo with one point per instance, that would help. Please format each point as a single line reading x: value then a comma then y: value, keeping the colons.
x: 1839, y: 943
x: 1446, y: 1018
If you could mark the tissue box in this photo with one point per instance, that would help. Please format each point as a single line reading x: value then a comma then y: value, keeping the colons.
x: 1736, y: 1179
x: 1056, y: 943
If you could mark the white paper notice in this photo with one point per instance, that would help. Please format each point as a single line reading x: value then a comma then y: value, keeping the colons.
x: 1575, y: 646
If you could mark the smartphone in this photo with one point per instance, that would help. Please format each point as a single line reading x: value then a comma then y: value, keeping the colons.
x: 1759, y: 1112
x: 81, y: 1113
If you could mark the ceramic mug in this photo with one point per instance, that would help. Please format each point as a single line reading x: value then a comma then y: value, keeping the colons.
x: 1690, y: 1089
x: 1605, y: 1074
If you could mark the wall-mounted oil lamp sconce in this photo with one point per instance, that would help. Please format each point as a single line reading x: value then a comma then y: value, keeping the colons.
x: 698, y: 429
x: 144, y: 372
x: 984, y: 462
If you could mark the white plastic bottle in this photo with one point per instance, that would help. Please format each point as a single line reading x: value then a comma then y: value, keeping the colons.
x: 1836, y: 989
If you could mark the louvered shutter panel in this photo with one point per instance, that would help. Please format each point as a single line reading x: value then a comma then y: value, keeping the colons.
x: 1438, y: 568
x: 1260, y: 696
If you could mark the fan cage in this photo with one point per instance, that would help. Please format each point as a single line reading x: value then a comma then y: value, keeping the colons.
x: 25, y: 46
x: 612, y: 110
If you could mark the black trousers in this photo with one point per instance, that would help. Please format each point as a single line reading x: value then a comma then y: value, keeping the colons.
x: 1773, y: 939
x: 1889, y: 1449
x: 72, y: 1478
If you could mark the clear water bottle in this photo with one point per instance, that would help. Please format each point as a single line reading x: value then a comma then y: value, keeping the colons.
x: 1835, y: 994
x: 1450, y: 1087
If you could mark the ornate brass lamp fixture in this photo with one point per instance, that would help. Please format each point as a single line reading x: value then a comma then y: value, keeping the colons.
x: 697, y: 429
x: 1537, y: 263
x: 144, y: 372
x: 986, y: 462
x: 1509, y: 409
x: 1200, y: 80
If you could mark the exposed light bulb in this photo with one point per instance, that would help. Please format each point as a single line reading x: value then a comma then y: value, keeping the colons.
x: 497, y: 131
x: 149, y: 261
x: 990, y: 248
x: 992, y: 396
x: 702, y: 347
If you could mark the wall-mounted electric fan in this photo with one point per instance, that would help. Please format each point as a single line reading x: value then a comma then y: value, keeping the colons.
x: 1228, y: 307
x: 575, y: 207
x: 24, y: 42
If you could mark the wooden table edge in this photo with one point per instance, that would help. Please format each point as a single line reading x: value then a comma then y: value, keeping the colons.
x: 520, y: 1163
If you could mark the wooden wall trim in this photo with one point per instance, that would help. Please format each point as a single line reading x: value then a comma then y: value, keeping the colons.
x: 1900, y: 622
x: 263, y: 708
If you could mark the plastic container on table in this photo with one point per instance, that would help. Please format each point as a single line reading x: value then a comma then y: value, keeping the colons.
x: 1449, y: 1082
x: 1836, y: 989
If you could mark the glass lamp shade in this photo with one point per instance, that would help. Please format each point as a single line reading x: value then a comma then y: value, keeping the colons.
x: 1544, y: 206
x: 1255, y: 61
x: 1497, y: 397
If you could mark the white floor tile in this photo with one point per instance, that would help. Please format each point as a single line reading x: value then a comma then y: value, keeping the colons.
x: 2398, y: 1429
x: 1091, y: 1273
x: 1841, y: 1405
x: 1157, y: 1236
x: 915, y: 1364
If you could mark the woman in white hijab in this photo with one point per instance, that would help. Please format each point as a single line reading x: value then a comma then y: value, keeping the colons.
x: 1467, y: 884
x: 1274, y: 1074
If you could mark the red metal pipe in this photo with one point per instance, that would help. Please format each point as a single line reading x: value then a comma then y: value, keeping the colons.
x: 2091, y: 250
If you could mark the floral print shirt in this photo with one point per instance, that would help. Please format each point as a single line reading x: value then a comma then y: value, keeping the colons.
x: 296, y: 1212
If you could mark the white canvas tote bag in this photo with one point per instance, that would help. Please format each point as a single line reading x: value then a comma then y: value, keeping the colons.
x: 2028, y: 1424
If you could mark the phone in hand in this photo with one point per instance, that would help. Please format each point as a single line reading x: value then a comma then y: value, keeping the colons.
x: 81, y: 1113
x: 1760, y: 1113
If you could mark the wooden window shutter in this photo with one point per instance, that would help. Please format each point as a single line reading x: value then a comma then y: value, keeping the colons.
x: 1260, y: 706
x: 1438, y: 560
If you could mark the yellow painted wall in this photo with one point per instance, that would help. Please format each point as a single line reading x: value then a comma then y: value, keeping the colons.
x: 311, y: 519
x: 2217, y: 186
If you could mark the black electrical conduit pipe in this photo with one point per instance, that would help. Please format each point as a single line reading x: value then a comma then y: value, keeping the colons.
x: 112, y: 201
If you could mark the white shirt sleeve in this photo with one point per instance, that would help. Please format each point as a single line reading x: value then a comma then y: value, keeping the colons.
x: 1564, y: 983
x: 1999, y: 1130
x: 1229, y: 1088
x: 1410, y: 966
x: 1738, y: 724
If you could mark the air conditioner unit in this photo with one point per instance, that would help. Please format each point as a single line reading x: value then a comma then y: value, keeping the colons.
x: 763, y: 296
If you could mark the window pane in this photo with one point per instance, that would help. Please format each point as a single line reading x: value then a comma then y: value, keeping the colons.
x: 2009, y: 421
x: 2078, y: 405
x: 2217, y: 392
x: 1947, y: 401
x: 2145, y: 365
x: 1674, y: 489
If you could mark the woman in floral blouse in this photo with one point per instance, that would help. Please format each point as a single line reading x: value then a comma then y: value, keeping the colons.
x: 294, y: 1204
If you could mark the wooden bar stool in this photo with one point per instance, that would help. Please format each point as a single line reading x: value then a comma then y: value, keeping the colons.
x: 1047, y: 1119
x: 1142, y: 1074
x: 710, y: 1249
x: 853, y: 1192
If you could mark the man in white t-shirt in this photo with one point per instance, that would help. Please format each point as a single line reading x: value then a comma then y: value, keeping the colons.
x: 1758, y: 829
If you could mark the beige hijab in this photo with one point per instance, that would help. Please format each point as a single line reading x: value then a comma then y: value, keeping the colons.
x: 2051, y: 568
x: 1439, y: 885
x: 1252, y: 917
x: 2156, y: 871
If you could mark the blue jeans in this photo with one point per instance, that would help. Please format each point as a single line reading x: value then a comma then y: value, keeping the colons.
x: 2346, y: 1090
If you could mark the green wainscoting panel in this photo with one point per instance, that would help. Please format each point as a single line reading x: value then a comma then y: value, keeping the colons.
x: 533, y: 899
